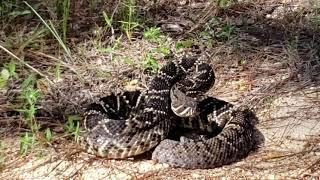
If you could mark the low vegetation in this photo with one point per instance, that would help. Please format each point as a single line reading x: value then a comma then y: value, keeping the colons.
x: 54, y: 54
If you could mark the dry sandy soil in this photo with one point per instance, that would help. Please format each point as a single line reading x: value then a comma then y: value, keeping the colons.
x: 257, y: 65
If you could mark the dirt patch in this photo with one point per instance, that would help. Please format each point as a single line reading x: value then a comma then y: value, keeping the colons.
x: 267, y: 59
x: 291, y: 149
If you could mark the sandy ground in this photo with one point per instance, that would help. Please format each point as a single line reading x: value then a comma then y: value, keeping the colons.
x: 290, y: 126
x: 289, y: 121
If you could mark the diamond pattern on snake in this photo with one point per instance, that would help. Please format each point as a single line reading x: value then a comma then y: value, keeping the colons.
x: 215, y: 132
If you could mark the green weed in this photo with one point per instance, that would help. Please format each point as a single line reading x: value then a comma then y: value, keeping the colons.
x: 152, y: 34
x: 21, y: 39
x: 163, y: 50
x: 48, y: 135
x: 129, y: 17
x: 72, y: 126
x: 242, y: 62
x: 108, y: 20
x: 226, y: 31
x: 6, y: 7
x: 62, y: 12
x: 186, y: 43
x: 29, y: 96
x: 9, y: 70
x: 150, y: 63
x: 4, y: 77
x: 27, y: 141
x: 11, y: 67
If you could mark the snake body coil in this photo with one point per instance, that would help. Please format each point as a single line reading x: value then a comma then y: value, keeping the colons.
x: 120, y: 126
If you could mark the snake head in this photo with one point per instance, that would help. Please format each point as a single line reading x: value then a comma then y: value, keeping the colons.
x: 183, y: 105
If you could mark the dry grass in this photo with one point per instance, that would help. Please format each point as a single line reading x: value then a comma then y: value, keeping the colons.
x: 270, y: 61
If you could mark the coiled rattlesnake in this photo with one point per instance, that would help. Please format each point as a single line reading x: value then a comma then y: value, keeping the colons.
x: 120, y: 126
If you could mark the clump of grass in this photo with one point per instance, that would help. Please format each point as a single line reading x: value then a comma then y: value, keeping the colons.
x: 226, y: 31
x: 152, y: 34
x: 129, y: 17
x: 8, y: 71
x: 62, y: 9
x: 11, y: 9
x: 150, y: 63
x: 216, y: 30
x: 52, y: 29
x: 72, y: 126
x: 29, y: 97
x: 48, y: 135
x: 188, y: 43
x: 165, y: 50
x: 27, y: 141
x: 107, y: 19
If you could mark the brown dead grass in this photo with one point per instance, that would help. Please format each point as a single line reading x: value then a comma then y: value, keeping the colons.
x: 271, y: 64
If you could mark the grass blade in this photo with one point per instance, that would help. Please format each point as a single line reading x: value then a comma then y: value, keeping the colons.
x: 53, y: 31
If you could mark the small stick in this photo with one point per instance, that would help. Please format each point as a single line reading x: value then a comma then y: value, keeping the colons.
x: 26, y: 64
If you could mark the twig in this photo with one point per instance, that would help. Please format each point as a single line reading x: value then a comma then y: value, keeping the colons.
x: 26, y: 64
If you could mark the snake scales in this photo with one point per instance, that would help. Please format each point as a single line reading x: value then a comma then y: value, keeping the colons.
x: 120, y: 126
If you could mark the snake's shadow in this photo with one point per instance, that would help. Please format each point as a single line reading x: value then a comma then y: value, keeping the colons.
x: 258, y: 137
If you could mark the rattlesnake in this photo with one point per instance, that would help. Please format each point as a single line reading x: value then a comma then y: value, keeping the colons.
x: 129, y: 124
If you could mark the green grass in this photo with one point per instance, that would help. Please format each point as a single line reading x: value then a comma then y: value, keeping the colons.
x: 27, y: 141
x: 65, y: 18
x: 48, y: 135
x: 226, y: 31
x: 52, y: 29
x: 72, y: 126
x: 150, y: 63
x: 165, y: 50
x: 214, y: 30
x: 58, y: 71
x: 33, y: 41
x: 29, y: 97
x: 108, y: 20
x: 4, y: 77
x: 188, y: 43
x: 21, y: 40
x: 10, y: 9
x: 152, y: 34
x: 129, y: 17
